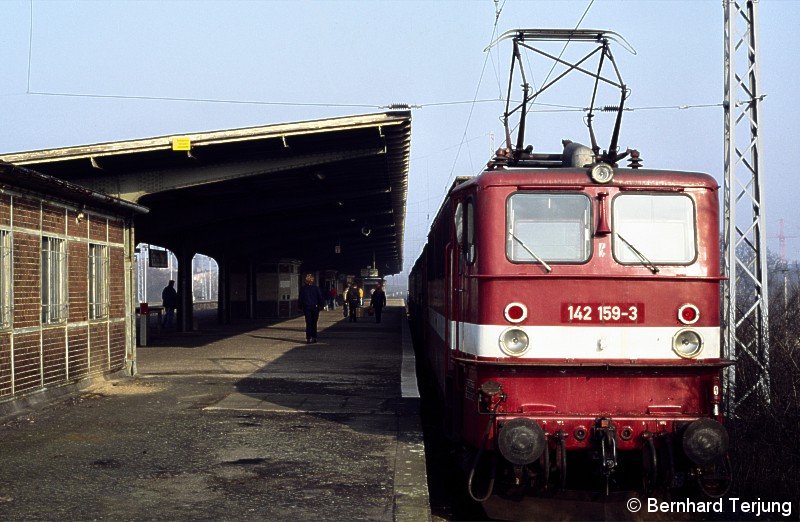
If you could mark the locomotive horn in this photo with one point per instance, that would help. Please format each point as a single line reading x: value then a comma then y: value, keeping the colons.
x: 704, y: 441
x: 521, y: 441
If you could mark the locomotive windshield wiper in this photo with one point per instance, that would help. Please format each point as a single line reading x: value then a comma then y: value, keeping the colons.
x: 531, y: 252
x: 646, y: 262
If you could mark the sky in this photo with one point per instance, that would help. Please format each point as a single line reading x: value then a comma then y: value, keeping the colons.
x: 89, y: 72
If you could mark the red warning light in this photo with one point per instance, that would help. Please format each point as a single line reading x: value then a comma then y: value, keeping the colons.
x: 516, y: 312
x: 688, y: 314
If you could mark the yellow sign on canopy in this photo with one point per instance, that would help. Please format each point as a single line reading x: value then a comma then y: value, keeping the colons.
x: 181, y: 143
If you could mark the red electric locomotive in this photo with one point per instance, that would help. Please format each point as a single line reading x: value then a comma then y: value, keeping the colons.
x: 568, y: 312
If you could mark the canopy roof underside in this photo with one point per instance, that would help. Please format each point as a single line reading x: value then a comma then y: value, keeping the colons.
x: 295, y: 190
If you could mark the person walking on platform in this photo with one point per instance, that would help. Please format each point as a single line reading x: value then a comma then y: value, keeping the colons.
x: 360, y: 296
x: 332, y: 298
x: 311, y: 301
x: 169, y: 300
x: 378, y: 302
x: 353, y: 302
x: 345, y: 307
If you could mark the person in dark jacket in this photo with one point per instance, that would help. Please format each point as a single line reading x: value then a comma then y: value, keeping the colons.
x: 311, y: 301
x: 378, y: 302
x: 169, y: 299
x: 353, y: 302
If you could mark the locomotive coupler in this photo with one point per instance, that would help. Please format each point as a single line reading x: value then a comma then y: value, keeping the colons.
x: 518, y: 475
x: 606, y: 435
x: 561, y: 458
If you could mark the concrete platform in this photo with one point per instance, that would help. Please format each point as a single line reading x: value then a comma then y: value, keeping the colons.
x: 236, y: 423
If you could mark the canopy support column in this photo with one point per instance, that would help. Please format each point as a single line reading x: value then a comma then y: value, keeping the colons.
x: 185, y: 299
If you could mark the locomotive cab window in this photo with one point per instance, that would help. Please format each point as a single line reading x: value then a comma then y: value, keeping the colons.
x: 548, y: 227
x: 661, y: 227
x: 464, y: 218
x: 469, y: 232
x: 458, y: 221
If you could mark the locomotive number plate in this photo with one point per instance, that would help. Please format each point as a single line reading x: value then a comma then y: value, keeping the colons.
x: 623, y: 313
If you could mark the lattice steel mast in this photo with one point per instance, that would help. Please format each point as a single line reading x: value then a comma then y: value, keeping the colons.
x: 746, y: 305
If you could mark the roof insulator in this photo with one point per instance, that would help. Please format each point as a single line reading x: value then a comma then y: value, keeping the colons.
x: 635, y: 160
x: 401, y: 106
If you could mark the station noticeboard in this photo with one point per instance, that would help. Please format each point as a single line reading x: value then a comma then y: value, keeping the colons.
x: 158, y: 258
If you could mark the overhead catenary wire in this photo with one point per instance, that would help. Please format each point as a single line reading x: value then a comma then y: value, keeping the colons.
x: 204, y: 100
x: 477, y: 89
x: 552, y: 107
x: 497, y: 10
x: 497, y: 77
x: 563, y: 49
x: 30, y: 46
x: 552, y: 68
x: 439, y: 151
x: 675, y: 107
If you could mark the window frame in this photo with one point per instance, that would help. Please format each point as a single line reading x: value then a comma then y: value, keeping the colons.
x: 98, y: 298
x: 6, y: 279
x: 47, y: 279
x: 590, y: 227
x: 696, y: 243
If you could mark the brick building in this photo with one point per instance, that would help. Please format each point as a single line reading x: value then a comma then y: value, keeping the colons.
x: 66, y: 306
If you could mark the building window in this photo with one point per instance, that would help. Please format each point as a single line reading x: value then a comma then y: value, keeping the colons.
x: 6, y: 295
x: 98, y: 281
x: 54, y: 280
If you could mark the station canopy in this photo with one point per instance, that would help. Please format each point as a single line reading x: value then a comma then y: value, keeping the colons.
x: 329, y: 192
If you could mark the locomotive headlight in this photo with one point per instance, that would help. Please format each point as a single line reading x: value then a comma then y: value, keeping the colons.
x: 602, y: 173
x: 687, y: 344
x: 514, y: 342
